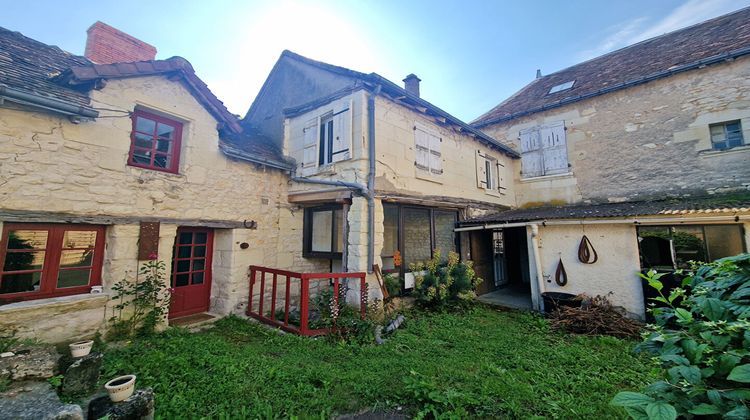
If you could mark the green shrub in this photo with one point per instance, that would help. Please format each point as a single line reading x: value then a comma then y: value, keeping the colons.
x: 142, y: 303
x: 701, y: 345
x: 392, y: 284
x: 441, y: 285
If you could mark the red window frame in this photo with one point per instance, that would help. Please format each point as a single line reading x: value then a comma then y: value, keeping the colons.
x: 51, y: 266
x: 173, y: 155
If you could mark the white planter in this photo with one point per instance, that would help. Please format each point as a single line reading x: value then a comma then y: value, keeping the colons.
x: 80, y: 348
x: 120, y: 388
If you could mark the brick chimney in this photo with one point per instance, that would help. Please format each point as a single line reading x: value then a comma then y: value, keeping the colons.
x: 411, y: 84
x: 106, y: 45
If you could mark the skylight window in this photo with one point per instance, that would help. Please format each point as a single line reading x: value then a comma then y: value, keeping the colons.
x: 561, y: 87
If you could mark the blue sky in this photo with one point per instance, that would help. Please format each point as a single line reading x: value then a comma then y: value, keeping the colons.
x: 470, y: 54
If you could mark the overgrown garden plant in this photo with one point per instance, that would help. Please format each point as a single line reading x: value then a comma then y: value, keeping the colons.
x: 142, y: 303
x: 701, y: 340
x: 443, y: 284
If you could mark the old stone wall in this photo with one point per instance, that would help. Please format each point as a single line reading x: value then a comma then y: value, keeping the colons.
x: 50, y: 165
x: 396, y: 171
x: 646, y: 141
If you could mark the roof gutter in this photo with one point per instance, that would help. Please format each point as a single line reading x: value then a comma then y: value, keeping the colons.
x: 654, y: 76
x: 50, y: 104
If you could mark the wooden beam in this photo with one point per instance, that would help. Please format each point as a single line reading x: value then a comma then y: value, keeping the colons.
x: 25, y: 216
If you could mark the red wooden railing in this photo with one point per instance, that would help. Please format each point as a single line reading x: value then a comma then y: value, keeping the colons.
x: 259, y: 275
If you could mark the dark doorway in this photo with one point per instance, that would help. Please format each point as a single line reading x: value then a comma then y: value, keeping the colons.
x: 501, y: 259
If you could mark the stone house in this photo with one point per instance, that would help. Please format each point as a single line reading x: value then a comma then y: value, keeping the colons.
x: 378, y: 171
x: 644, y: 150
x: 102, y: 164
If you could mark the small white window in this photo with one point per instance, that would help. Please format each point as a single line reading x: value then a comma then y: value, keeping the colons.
x: 428, y: 156
x: 561, y: 87
x: 490, y: 173
x: 327, y: 139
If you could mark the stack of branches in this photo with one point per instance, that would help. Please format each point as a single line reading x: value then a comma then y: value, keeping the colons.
x: 595, y: 316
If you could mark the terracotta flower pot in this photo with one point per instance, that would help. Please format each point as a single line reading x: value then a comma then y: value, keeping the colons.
x: 80, y: 348
x: 120, y: 388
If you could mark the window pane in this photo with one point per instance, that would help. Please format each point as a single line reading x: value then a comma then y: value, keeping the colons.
x: 73, y: 278
x: 201, y: 237
x: 15, y: 283
x: 688, y: 245
x: 161, y: 161
x: 182, y: 280
x: 18, y: 261
x: 186, y: 238
x: 717, y: 132
x: 416, y: 236
x: 723, y: 240
x: 164, y: 146
x: 656, y: 247
x: 321, y: 231
x: 143, y: 140
x: 197, y: 278
x: 183, y: 252
x: 445, y: 238
x: 27, y: 239
x: 79, y: 239
x: 390, y: 235
x: 199, y: 251
x: 199, y: 265
x: 142, y: 157
x: 165, y: 131
x: 183, y: 266
x: 144, y: 125
x: 77, y: 258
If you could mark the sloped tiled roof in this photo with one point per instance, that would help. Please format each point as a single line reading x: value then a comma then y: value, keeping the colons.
x: 82, y: 75
x: 30, y: 66
x: 712, y: 41
x: 396, y: 92
x: 253, y: 146
x: 718, y: 205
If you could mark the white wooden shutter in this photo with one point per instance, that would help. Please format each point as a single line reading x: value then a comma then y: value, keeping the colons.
x: 422, y: 149
x: 436, y: 156
x: 310, y: 146
x: 502, y: 176
x: 554, y: 149
x: 481, y: 170
x: 342, y: 134
x: 531, y: 153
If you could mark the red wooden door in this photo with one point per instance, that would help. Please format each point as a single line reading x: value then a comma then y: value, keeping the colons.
x: 191, y: 271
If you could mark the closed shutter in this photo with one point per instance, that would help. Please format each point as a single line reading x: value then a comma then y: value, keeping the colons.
x: 310, y: 147
x: 531, y: 154
x: 554, y: 149
x: 501, y: 177
x: 436, y: 157
x: 481, y: 170
x: 422, y: 149
x: 342, y: 134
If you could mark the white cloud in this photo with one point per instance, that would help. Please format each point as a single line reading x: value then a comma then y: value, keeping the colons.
x: 641, y: 28
x: 309, y: 29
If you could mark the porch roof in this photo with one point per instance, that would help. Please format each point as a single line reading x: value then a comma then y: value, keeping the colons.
x: 717, y: 205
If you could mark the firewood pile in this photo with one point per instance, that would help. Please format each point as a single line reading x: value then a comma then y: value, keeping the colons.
x: 595, y: 316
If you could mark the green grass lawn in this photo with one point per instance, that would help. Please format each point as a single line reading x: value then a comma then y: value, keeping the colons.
x: 484, y: 363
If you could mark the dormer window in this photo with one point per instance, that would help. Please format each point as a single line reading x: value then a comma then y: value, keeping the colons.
x: 561, y: 87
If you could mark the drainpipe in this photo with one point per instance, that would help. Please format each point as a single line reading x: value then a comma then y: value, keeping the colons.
x: 538, y: 263
x: 371, y: 178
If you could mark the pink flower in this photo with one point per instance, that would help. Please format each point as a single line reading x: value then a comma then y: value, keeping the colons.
x: 153, y: 256
x: 171, y: 290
